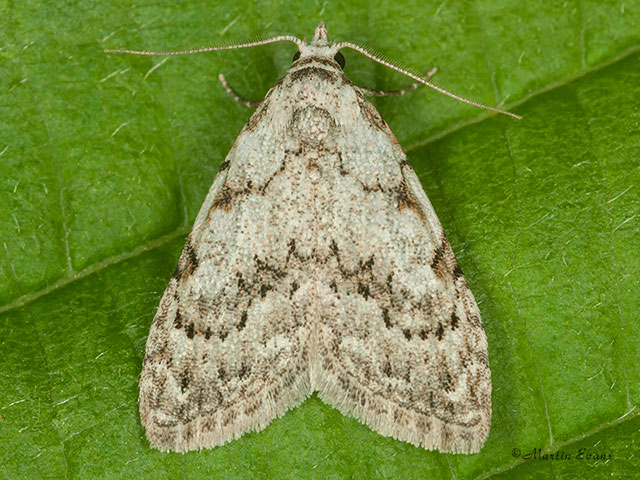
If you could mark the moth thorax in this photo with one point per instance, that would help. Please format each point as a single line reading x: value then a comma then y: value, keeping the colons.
x: 312, y: 124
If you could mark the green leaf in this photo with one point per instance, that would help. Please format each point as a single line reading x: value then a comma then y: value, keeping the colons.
x: 106, y: 159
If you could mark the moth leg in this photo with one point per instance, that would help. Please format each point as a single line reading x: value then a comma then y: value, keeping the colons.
x: 396, y: 93
x: 235, y: 96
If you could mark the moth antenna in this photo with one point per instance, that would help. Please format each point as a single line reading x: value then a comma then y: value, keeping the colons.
x: 254, y: 43
x: 409, y: 74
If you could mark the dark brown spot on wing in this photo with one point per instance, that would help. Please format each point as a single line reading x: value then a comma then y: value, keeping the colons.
x: 243, y: 321
x: 386, y: 318
x: 187, y: 263
x: 457, y: 271
x: 223, y: 198
x: 177, y: 321
x: 224, y: 165
x: 264, y: 289
x: 389, y: 283
x: 367, y: 265
x: 440, y: 331
x: 406, y: 199
x: 444, y: 263
x: 190, y: 331
x: 454, y: 321
x: 436, y: 261
x: 363, y: 290
x: 294, y: 288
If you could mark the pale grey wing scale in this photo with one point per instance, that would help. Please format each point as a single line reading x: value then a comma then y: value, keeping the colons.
x: 400, y: 341
x: 228, y: 350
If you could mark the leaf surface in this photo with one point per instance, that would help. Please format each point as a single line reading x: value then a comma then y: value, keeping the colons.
x: 106, y: 159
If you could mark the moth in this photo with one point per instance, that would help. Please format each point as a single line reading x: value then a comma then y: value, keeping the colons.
x: 317, y: 264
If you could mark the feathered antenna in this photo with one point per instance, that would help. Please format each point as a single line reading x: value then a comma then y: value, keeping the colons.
x: 254, y: 43
x: 364, y: 51
x: 300, y: 43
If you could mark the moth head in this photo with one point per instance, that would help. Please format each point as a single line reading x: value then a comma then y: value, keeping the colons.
x: 320, y: 35
x: 320, y: 47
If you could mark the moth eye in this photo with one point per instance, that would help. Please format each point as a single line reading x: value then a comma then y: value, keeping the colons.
x: 340, y: 59
x: 296, y: 56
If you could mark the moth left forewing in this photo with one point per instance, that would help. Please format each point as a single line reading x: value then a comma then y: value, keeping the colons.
x: 228, y: 348
x: 401, y: 344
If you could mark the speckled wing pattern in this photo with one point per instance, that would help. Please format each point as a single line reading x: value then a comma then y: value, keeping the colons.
x: 316, y: 263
